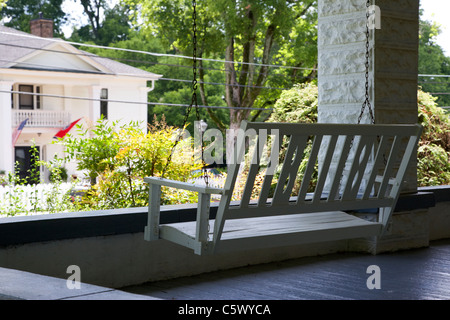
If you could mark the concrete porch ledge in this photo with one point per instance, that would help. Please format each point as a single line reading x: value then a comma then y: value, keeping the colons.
x: 20, y: 285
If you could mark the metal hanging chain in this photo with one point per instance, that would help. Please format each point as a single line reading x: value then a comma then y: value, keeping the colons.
x: 194, y: 101
x: 195, y: 86
x: 366, y: 102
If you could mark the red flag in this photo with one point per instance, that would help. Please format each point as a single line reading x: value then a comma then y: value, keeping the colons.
x: 61, y: 133
x: 18, y: 131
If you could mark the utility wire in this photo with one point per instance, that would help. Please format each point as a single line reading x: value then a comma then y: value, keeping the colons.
x: 435, y: 75
x: 87, y: 54
x: 128, y: 102
x: 153, y: 53
x: 31, y: 65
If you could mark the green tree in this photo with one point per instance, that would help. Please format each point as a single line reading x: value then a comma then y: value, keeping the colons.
x: 19, y: 13
x: 114, y: 27
x: 91, y: 148
x: 300, y: 105
x: 241, y: 32
x: 432, y: 61
x: 117, y: 158
x: 434, y: 147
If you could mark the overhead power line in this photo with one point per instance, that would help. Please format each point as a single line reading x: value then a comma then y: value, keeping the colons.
x: 31, y: 65
x: 140, y: 61
x: 128, y: 102
x: 154, y: 53
x: 435, y: 75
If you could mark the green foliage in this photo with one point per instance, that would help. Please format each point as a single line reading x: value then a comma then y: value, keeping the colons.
x: 432, y: 60
x: 19, y: 13
x: 114, y: 27
x: 240, y: 31
x: 300, y: 105
x: 92, y: 148
x: 21, y: 198
x: 117, y: 159
x: 434, y: 147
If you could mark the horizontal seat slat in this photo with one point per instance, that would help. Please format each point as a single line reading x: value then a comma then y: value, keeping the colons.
x: 300, y: 228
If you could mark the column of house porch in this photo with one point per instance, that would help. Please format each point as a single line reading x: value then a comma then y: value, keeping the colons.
x: 6, y: 129
x: 393, y: 64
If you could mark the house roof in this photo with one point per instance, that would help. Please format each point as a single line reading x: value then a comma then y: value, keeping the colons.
x: 20, y: 49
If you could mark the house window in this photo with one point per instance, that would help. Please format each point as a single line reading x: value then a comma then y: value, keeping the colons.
x: 38, y: 98
x: 28, y: 168
x: 104, y: 103
x: 28, y: 101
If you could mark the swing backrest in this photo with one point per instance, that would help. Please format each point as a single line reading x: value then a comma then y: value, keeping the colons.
x: 321, y: 167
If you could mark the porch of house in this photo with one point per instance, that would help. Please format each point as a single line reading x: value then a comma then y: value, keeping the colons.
x: 413, y: 260
x: 115, y: 261
x: 417, y: 274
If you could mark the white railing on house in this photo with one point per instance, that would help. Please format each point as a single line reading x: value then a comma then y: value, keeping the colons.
x: 41, y: 118
x: 32, y: 198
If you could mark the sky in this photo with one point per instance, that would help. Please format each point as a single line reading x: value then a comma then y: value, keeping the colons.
x: 438, y: 11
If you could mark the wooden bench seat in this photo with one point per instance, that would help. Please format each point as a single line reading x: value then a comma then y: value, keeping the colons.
x: 277, y: 231
x: 360, y: 167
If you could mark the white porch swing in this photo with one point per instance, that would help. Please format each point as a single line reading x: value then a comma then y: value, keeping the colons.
x: 361, y: 166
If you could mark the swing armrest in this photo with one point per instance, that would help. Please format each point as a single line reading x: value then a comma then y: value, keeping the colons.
x: 183, y: 185
x: 204, y: 195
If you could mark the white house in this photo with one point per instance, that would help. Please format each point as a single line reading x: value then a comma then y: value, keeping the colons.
x: 51, y: 83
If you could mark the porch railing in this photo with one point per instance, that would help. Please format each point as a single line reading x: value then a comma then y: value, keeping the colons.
x: 41, y: 118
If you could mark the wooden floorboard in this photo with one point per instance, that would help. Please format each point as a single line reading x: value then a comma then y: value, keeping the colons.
x: 419, y: 274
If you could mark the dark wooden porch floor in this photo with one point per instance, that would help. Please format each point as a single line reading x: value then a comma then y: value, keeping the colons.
x: 418, y: 274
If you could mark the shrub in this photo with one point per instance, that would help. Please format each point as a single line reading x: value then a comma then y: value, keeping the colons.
x: 119, y: 157
x: 434, y: 147
x: 299, y: 104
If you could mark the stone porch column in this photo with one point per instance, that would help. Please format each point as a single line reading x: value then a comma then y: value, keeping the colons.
x: 393, y: 63
x: 6, y: 129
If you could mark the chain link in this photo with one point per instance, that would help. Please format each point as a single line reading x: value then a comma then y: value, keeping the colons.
x: 194, y: 100
x: 366, y: 102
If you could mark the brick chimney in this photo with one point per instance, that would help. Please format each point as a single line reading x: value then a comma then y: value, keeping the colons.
x: 42, y: 27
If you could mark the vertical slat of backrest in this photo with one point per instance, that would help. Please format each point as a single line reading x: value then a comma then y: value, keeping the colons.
x: 309, y: 169
x: 410, y: 150
x: 338, y: 173
x: 364, y: 165
x: 396, y: 145
x: 232, y: 173
x: 358, y: 166
x: 254, y: 168
x: 288, y: 174
x: 380, y: 157
x: 270, y: 171
x: 324, y: 168
x: 152, y: 228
